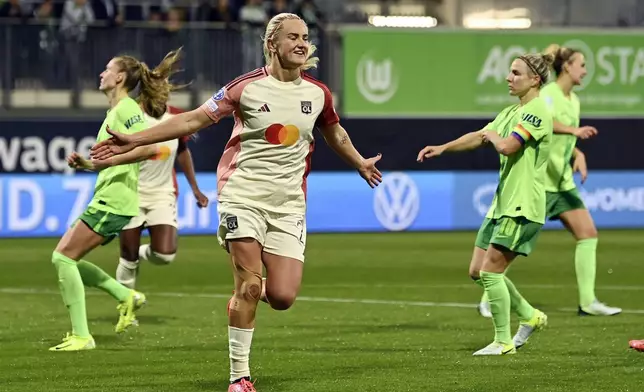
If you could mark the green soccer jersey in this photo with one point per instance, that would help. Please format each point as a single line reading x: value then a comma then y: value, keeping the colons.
x: 521, y: 190
x: 116, y: 188
x: 565, y: 111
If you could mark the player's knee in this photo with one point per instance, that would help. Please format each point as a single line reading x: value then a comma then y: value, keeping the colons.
x: 586, y: 233
x: 475, y: 272
x: 251, y: 289
x: 281, y: 299
x: 161, y: 258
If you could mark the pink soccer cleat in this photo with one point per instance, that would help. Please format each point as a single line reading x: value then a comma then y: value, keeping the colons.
x: 242, y: 385
x: 637, y: 345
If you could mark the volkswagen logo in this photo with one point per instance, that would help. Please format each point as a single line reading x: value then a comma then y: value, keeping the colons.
x: 377, y: 80
x: 396, y: 201
x: 482, y: 198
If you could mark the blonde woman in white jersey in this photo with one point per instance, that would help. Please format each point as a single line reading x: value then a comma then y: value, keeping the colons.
x: 262, y: 174
x: 158, y: 194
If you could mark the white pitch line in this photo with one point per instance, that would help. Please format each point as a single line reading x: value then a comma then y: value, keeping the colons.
x: 365, y: 301
x: 466, y: 286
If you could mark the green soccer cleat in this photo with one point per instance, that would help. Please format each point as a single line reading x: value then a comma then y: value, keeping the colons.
x: 126, y: 309
x: 75, y: 343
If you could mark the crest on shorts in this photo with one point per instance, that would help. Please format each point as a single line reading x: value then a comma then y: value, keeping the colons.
x: 306, y: 106
x: 231, y: 223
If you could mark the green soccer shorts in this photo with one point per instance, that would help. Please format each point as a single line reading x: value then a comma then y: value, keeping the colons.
x: 559, y: 202
x: 106, y: 224
x: 514, y: 233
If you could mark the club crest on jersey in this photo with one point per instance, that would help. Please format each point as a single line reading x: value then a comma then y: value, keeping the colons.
x: 219, y: 95
x: 231, y: 223
x: 307, y: 108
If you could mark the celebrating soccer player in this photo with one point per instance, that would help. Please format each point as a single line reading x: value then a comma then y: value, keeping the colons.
x: 262, y: 174
x: 521, y: 134
x: 115, y: 199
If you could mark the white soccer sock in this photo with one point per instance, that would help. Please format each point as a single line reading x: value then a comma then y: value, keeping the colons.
x: 126, y: 272
x: 239, y: 341
x: 145, y: 252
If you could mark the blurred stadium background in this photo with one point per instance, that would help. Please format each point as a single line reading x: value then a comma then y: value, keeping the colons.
x: 404, y: 74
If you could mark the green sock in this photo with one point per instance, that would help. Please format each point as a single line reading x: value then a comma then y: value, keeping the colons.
x: 585, y: 268
x: 73, y: 292
x: 93, y: 276
x: 518, y: 304
x: 499, y: 298
x: 480, y: 283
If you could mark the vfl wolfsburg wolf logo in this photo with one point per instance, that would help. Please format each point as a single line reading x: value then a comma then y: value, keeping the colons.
x: 377, y: 80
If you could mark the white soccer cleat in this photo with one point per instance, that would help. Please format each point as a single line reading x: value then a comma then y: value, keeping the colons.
x: 496, y: 348
x: 538, y: 321
x: 598, y: 309
x: 484, y: 309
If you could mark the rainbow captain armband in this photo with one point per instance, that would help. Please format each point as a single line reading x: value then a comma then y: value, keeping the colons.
x: 521, y: 134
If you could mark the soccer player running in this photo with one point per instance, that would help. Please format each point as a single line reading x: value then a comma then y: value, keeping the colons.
x: 563, y: 200
x: 521, y: 134
x: 262, y: 174
x: 114, y: 203
x: 158, y: 194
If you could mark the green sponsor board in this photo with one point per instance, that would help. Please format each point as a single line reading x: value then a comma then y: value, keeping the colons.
x: 463, y: 73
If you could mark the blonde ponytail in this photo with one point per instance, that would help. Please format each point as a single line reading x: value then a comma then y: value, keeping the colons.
x: 154, y: 84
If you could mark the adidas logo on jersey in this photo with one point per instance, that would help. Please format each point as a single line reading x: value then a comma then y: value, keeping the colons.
x: 264, y: 108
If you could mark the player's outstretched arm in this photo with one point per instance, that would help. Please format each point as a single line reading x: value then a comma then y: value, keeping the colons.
x: 183, y: 124
x: 338, y: 139
x: 469, y: 141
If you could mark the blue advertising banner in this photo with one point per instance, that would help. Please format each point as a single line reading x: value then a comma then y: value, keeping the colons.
x: 615, y: 199
x: 43, y: 205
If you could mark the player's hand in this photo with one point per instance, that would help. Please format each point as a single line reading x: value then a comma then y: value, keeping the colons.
x: 118, y: 144
x: 579, y: 165
x: 76, y: 161
x: 369, y: 172
x: 202, y: 200
x: 430, y: 152
x: 586, y: 132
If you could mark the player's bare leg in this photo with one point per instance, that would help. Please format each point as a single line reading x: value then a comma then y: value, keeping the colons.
x: 128, y: 267
x: 581, y: 225
x: 283, y: 280
x: 246, y: 260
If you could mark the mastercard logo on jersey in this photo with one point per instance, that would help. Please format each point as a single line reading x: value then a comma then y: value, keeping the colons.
x: 286, y: 135
x: 162, y: 155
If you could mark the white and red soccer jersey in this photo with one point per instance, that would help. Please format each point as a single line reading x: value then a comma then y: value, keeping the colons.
x: 157, y: 178
x: 268, y: 157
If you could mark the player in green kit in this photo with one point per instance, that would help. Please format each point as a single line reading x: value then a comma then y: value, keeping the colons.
x: 115, y: 199
x: 563, y: 199
x: 521, y: 134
